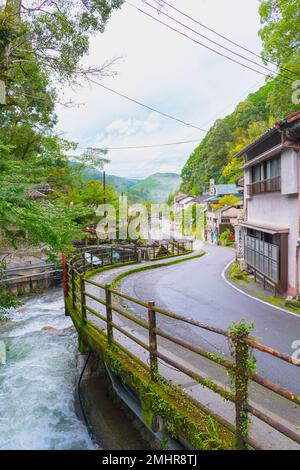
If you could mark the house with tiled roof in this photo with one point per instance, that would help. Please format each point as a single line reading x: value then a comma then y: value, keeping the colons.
x: 270, y: 237
x: 226, y: 218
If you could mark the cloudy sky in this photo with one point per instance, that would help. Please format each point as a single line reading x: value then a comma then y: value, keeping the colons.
x: 167, y: 72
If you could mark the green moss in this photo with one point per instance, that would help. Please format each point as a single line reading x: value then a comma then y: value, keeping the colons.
x: 294, y: 304
x: 278, y: 301
x: 181, y: 416
x: 235, y: 274
x: 147, y: 412
x: 116, y: 281
x: 172, y: 256
x: 92, y: 273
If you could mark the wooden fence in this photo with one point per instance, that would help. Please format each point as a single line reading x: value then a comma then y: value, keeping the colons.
x: 241, y: 343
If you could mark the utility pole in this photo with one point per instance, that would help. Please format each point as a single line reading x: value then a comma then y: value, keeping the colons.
x: 104, y: 181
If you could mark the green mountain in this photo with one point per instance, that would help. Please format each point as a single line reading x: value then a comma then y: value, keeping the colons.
x: 155, y: 188
x: 215, y: 156
x: 120, y: 184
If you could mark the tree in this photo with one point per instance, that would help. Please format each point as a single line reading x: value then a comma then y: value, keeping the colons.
x: 227, y: 200
x: 87, y: 196
x: 215, y: 155
x: 55, y: 34
x: 41, y: 42
x: 280, y: 34
x: 281, y: 29
x: 41, y: 220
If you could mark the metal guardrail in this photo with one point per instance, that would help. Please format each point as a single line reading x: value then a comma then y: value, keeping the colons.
x: 25, y: 274
x: 76, y: 290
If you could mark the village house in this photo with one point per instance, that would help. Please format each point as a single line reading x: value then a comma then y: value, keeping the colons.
x: 182, y: 201
x: 225, y: 218
x: 270, y: 231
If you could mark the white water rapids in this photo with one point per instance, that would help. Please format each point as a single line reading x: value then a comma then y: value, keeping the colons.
x: 37, y: 381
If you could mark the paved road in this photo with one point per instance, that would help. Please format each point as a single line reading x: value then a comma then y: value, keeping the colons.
x: 196, y: 289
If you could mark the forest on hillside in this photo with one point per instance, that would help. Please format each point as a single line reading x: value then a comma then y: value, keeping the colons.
x: 215, y: 156
x: 41, y: 50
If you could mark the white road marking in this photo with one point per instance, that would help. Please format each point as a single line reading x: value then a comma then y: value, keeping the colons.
x: 252, y: 296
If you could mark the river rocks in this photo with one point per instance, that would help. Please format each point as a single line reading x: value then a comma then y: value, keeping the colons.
x: 54, y: 331
x: 2, y: 353
x: 23, y: 310
x: 69, y: 329
x: 51, y: 330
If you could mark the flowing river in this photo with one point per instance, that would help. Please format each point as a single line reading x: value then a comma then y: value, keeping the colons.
x: 37, y: 381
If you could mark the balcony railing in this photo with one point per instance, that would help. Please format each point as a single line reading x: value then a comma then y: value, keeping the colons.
x: 265, y: 186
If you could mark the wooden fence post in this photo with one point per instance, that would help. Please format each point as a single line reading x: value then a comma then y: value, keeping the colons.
x: 83, y: 298
x: 65, y: 272
x: 241, y: 389
x: 73, y: 286
x: 152, y: 341
x: 108, y: 299
x: 83, y: 261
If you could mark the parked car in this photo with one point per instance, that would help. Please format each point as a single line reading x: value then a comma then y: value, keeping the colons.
x: 92, y: 259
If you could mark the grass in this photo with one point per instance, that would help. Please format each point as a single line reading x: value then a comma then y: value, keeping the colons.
x: 235, y: 274
x: 117, y: 280
x: 182, y: 417
x: 188, y: 252
x: 278, y: 302
x: 91, y: 273
x: 102, y: 269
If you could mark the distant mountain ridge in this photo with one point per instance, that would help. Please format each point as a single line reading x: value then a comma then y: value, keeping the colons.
x: 154, y: 188
x: 120, y: 184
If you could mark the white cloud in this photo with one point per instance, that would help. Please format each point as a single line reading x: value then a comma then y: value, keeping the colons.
x: 133, y: 126
x: 169, y: 73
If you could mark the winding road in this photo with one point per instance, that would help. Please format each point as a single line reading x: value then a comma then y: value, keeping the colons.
x: 197, y: 290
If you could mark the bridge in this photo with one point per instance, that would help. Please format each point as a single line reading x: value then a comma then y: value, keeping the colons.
x: 31, y: 278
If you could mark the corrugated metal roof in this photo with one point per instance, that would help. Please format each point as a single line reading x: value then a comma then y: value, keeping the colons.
x: 226, y: 188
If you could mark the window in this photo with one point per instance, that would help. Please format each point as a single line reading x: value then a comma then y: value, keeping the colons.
x: 266, y: 170
x: 262, y: 253
x: 266, y: 177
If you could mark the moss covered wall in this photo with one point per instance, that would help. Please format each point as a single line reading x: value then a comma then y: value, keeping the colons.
x: 161, y: 402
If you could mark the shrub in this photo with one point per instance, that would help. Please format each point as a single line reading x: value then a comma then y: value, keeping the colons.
x: 237, y: 274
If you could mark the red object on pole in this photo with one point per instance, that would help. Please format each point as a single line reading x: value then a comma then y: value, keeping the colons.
x: 64, y: 271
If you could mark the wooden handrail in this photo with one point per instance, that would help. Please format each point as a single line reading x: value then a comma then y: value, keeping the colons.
x: 79, y: 293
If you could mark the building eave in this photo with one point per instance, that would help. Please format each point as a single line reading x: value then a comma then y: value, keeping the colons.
x: 263, y: 227
x: 264, y: 156
x: 256, y: 142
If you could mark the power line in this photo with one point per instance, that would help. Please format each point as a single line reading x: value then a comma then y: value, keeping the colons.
x: 148, y: 107
x: 214, y: 42
x: 224, y: 37
x: 195, y: 41
x: 145, y: 146
x: 237, y: 99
